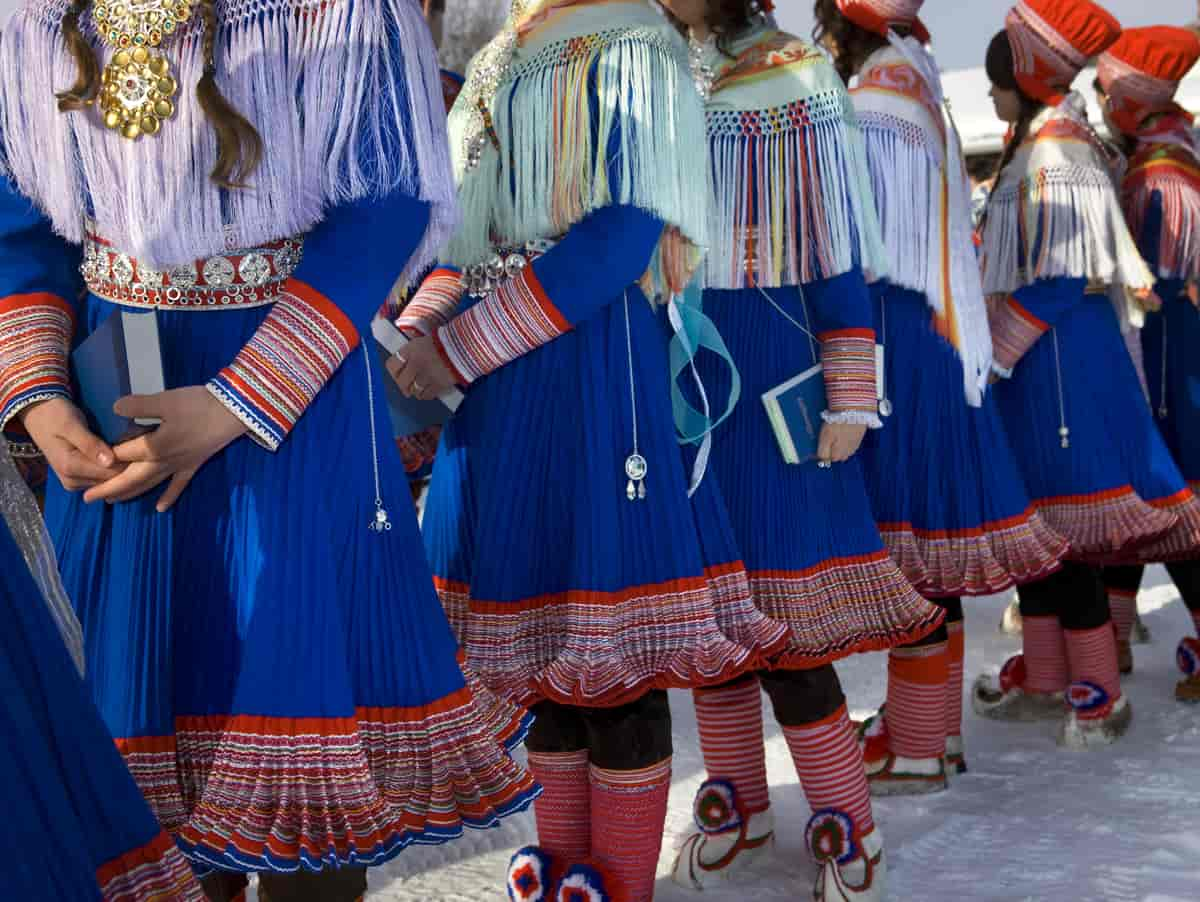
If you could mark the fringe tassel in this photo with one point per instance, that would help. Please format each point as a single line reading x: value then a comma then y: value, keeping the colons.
x: 1177, y: 254
x: 589, y: 121
x: 1056, y: 214
x: 790, y: 194
x: 345, y: 93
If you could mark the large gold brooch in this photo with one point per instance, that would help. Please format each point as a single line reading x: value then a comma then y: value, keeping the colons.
x: 138, y: 89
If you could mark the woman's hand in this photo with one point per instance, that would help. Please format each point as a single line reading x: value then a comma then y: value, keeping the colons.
x: 419, y: 371
x: 195, y: 426
x: 839, y: 441
x: 80, y: 458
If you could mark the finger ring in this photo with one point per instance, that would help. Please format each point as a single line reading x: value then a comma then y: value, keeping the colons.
x: 417, y: 388
x: 824, y: 464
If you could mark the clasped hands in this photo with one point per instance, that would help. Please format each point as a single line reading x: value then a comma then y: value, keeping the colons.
x: 195, y: 426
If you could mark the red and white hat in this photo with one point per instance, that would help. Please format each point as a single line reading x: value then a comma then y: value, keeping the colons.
x: 1141, y: 72
x: 1052, y: 40
x: 879, y: 15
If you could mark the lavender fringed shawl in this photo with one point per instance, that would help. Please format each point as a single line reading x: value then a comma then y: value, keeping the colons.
x: 345, y: 94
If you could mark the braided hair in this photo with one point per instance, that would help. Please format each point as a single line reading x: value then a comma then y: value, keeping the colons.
x: 239, y: 146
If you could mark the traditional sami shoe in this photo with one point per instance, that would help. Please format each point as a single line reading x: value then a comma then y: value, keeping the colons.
x: 893, y: 775
x: 587, y: 882
x: 1003, y: 696
x: 531, y: 875
x: 1095, y: 718
x: 1010, y: 621
x: 1124, y: 656
x: 726, y: 841
x: 956, y: 756
x: 852, y: 867
x: 1188, y: 658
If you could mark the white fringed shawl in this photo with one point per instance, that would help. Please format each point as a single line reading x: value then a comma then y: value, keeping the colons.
x: 1055, y: 212
x: 597, y: 108
x: 345, y: 94
x: 790, y: 194
x: 923, y: 198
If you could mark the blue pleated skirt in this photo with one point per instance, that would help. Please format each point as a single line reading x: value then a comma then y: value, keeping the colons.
x: 944, y: 483
x: 281, y: 679
x: 1173, y: 378
x: 816, y: 561
x: 1114, y: 491
x: 75, y: 827
x: 558, y: 586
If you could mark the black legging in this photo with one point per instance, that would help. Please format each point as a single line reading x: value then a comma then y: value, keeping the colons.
x: 1075, y: 594
x: 1185, y: 575
x: 954, y: 614
x: 627, y: 737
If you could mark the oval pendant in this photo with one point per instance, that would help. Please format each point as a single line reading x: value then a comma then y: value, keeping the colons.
x: 885, y: 407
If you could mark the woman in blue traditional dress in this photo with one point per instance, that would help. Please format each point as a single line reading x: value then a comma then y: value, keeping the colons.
x: 1136, y: 83
x: 945, y: 486
x: 263, y: 637
x: 792, y: 232
x: 579, y: 575
x: 1064, y: 272
x: 75, y: 825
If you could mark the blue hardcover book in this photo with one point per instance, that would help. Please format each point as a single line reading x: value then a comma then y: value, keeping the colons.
x: 122, y: 357
x: 409, y: 415
x: 794, y: 409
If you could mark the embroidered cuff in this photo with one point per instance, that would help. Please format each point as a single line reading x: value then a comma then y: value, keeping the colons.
x: 516, y: 318
x: 34, y: 341
x: 853, y: 418
x: 1014, y: 331
x: 433, y: 305
x: 279, y: 372
x: 848, y: 360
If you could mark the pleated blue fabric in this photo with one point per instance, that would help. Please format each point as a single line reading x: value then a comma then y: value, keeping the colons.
x: 75, y: 826
x: 944, y: 483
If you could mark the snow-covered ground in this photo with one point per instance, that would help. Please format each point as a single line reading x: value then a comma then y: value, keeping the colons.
x: 1029, y: 822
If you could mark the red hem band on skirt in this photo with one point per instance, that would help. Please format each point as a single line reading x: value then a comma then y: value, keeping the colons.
x: 1182, y: 542
x: 257, y: 792
x: 603, y: 649
x: 840, y: 607
x: 1106, y: 527
x: 155, y: 872
x: 979, y: 561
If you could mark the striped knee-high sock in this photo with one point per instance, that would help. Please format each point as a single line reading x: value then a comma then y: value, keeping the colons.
x: 1123, y: 604
x: 564, y: 808
x: 1093, y: 657
x: 955, y: 652
x: 916, y: 700
x: 730, y: 720
x: 1045, y: 653
x: 629, y: 809
x: 830, y: 767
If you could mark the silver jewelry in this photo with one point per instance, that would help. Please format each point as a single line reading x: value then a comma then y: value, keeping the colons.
x: 381, y: 522
x: 825, y: 464
x: 635, y: 465
x: 703, y: 73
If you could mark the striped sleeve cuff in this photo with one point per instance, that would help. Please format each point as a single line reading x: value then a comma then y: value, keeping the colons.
x: 279, y: 372
x: 511, y: 321
x: 1014, y: 331
x: 34, y: 342
x: 848, y: 362
x: 433, y: 305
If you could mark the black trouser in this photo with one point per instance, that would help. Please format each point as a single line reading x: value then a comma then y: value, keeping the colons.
x: 345, y: 884
x: 627, y: 737
x: 1075, y: 595
x: 954, y: 614
x: 1185, y: 575
x: 798, y: 697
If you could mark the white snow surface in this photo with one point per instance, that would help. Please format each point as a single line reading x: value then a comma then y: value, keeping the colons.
x: 1030, y: 822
